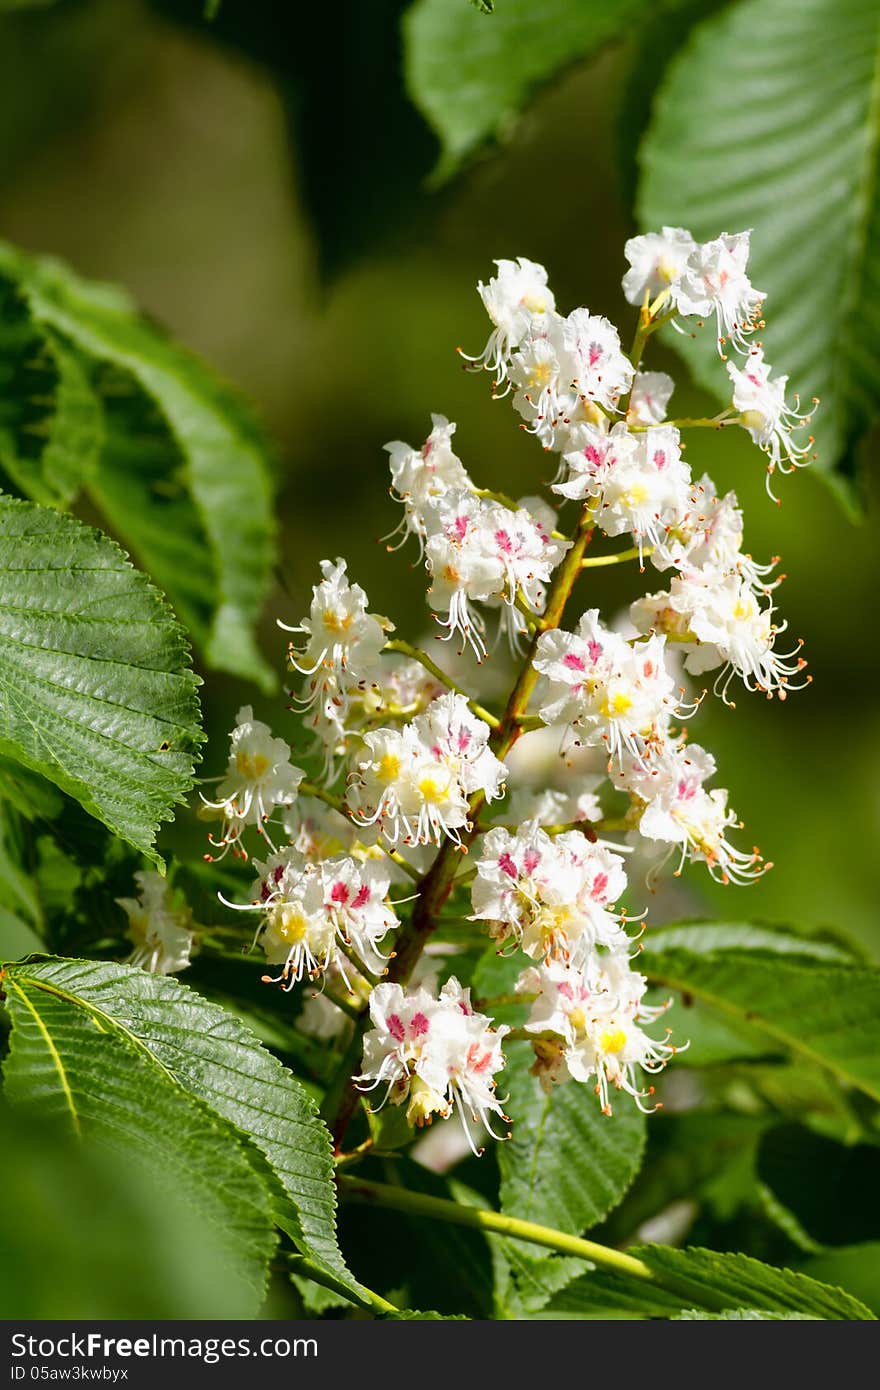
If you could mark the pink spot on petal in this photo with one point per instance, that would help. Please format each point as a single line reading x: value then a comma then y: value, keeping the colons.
x: 395, y: 1027
x: 574, y: 663
x: 506, y: 865
x: 419, y: 1025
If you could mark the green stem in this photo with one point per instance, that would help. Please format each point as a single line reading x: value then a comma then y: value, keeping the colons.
x: 705, y: 422
x: 382, y: 1194
x: 494, y: 1223
x: 338, y: 804
x: 416, y: 653
x: 351, y: 1010
x: 301, y: 1264
x: 597, y: 561
x: 649, y: 322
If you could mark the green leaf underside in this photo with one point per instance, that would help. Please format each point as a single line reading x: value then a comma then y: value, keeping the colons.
x: 738, y: 1282
x: 140, y: 488
x: 211, y: 1056
x: 469, y: 77
x: 225, y: 457
x: 820, y: 1010
x: 96, y: 693
x: 81, y: 1068
x: 50, y: 420
x: 787, y: 144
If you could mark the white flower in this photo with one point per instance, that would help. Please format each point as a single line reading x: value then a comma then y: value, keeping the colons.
x: 650, y: 395
x: 464, y: 565
x: 674, y: 808
x: 589, y: 1026
x: 259, y: 778
x: 433, y: 1055
x: 656, y: 261
x: 708, y: 533
x: 454, y: 734
x: 760, y: 399
x: 344, y: 640
x: 600, y: 372
x: 159, y: 924
x: 551, y: 895
x: 419, y: 476
x: 714, y: 281
x: 414, y: 783
x: 596, y: 455
x: 483, y: 551
x: 609, y: 690
x: 514, y: 299
x: 541, y: 376
x: 528, y: 553
x: 647, y: 491
x: 720, y: 622
x: 309, y: 908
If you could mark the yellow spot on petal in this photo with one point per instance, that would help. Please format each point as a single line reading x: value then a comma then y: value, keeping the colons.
x: 253, y: 766
x: 389, y: 767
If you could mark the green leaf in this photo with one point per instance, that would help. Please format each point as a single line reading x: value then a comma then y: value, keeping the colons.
x: 409, y: 1315
x: 787, y: 993
x: 213, y: 1058
x: 704, y: 1277
x: 50, y: 419
x: 223, y: 452
x: 566, y: 1164
x: 85, y: 1236
x: 96, y: 693
x: 141, y: 489
x: 741, y: 1315
x: 854, y: 1267
x: 80, y: 1067
x: 471, y: 77
x: 770, y: 119
x: 31, y: 795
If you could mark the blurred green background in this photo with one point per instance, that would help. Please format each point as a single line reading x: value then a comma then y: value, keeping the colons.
x: 151, y: 152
